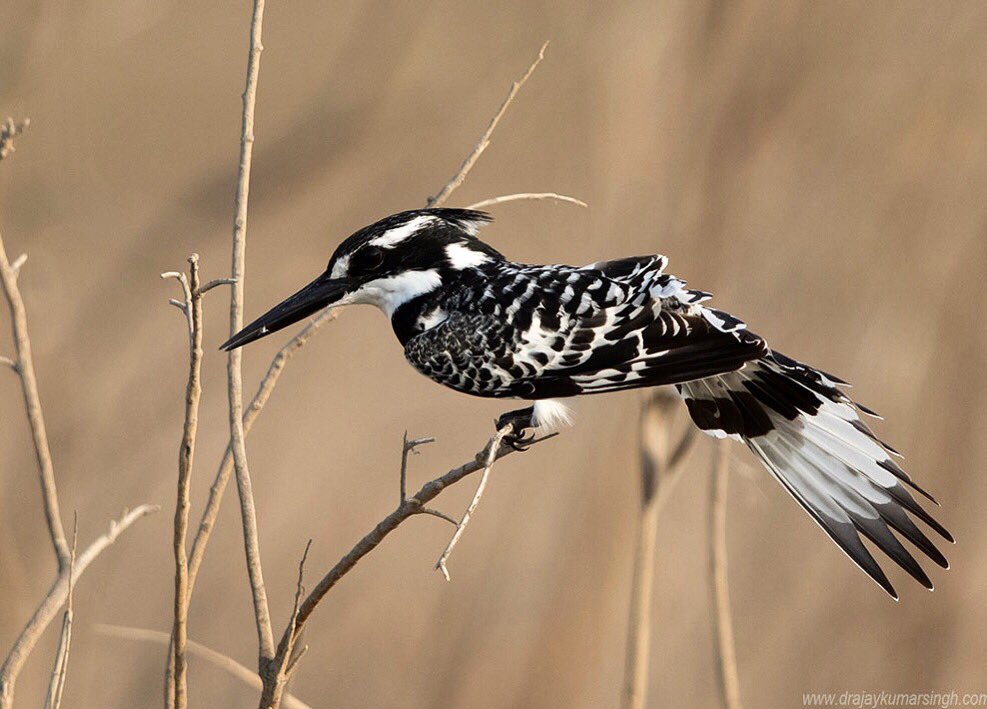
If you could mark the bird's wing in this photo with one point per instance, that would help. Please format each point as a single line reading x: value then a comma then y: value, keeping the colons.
x: 549, y: 332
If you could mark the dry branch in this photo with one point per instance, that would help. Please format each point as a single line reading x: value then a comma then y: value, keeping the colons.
x: 176, y: 675
x: 53, y: 600
x: 526, y: 196
x: 464, y: 169
x: 216, y: 659
x: 248, y: 512
x: 24, y: 366
x: 721, y: 618
x: 56, y: 686
x: 409, y: 507
x: 660, y: 469
x: 495, y: 444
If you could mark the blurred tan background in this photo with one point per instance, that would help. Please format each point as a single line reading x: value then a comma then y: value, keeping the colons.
x: 821, y: 167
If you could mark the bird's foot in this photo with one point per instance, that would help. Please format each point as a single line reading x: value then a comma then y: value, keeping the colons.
x: 520, y: 422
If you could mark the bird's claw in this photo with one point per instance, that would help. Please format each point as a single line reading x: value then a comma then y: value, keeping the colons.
x: 520, y: 436
x: 519, y: 440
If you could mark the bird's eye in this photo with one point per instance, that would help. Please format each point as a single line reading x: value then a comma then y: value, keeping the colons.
x: 367, y: 259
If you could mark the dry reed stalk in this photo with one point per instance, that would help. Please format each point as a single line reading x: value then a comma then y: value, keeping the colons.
x: 660, y: 470
x: 721, y: 618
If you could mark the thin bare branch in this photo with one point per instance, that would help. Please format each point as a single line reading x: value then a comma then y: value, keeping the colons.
x: 176, y: 681
x: 216, y: 659
x: 412, y: 506
x: 721, y: 617
x: 525, y: 196
x: 440, y: 515
x: 494, y: 445
x: 214, y: 283
x: 286, y: 658
x: 32, y: 403
x: 248, y: 512
x: 8, y: 362
x: 8, y: 131
x: 464, y: 169
x: 58, y: 673
x: 407, y: 448
x: 53, y: 600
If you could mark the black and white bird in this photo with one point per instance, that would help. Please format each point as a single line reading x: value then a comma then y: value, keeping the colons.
x: 474, y: 321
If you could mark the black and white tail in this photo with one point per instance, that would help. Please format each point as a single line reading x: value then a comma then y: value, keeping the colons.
x: 808, y: 434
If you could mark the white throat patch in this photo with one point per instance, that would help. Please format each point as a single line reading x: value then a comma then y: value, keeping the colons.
x: 391, y: 292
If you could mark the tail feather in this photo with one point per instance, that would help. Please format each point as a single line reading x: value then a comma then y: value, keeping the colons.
x: 808, y: 434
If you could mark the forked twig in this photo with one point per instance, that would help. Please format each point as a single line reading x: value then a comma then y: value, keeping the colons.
x: 176, y: 673
x: 56, y: 686
x: 408, y: 448
x: 54, y: 599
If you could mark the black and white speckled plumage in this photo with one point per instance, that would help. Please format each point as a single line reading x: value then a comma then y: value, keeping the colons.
x: 474, y: 321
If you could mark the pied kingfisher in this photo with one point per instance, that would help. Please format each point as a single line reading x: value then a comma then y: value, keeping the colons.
x: 472, y: 320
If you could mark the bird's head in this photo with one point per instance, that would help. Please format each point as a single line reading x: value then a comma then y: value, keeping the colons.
x: 386, y: 264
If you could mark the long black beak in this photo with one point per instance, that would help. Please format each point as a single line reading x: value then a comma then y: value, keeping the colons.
x: 318, y: 294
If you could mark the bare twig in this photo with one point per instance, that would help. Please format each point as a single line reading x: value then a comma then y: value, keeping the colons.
x: 286, y: 657
x: 214, y: 283
x: 440, y: 515
x: 721, y: 618
x: 32, y: 403
x: 8, y: 131
x: 524, y: 196
x: 54, y: 599
x: 408, y: 448
x: 660, y: 470
x: 58, y: 673
x: 248, y: 512
x: 464, y: 169
x: 176, y: 675
x: 216, y: 659
x: 8, y: 362
x: 411, y: 506
x: 492, y: 448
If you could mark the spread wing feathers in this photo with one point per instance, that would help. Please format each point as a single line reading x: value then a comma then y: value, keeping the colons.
x: 542, y: 332
x: 808, y: 434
